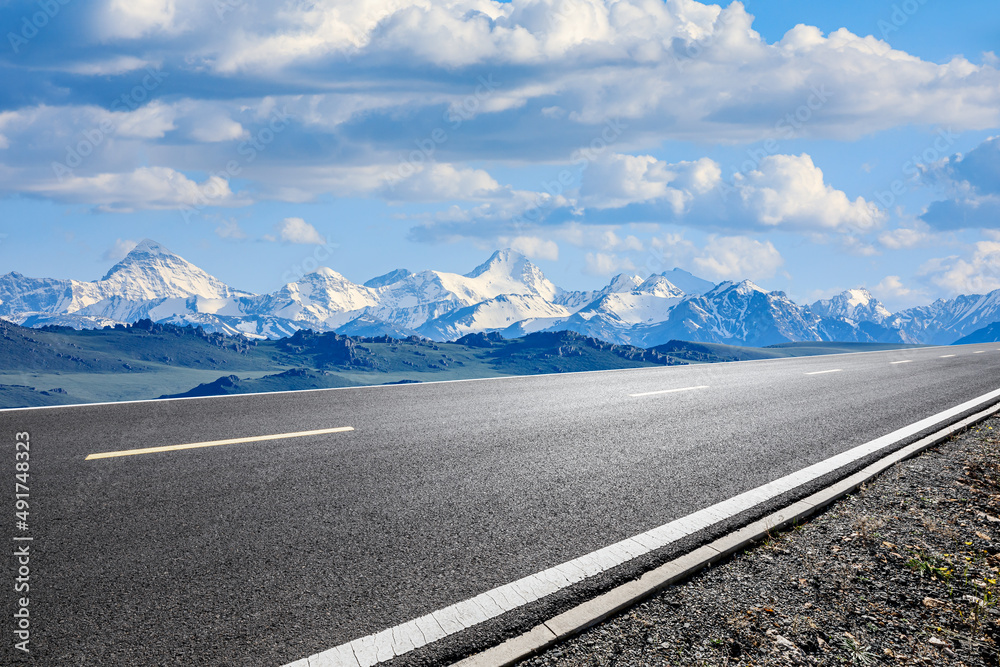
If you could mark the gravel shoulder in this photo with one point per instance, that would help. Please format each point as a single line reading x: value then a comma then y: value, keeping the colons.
x: 903, y: 572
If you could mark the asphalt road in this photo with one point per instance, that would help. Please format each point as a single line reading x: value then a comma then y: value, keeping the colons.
x: 264, y: 553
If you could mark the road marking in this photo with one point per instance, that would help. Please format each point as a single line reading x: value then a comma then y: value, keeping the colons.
x: 834, y: 370
x: 216, y: 443
x: 904, y: 361
x: 398, y: 640
x: 668, y: 391
x: 978, y: 351
x: 946, y: 356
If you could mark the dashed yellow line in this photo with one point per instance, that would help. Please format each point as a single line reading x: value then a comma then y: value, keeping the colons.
x: 216, y: 443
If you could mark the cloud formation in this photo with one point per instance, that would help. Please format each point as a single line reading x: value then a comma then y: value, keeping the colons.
x: 297, y: 230
x: 142, y: 188
x: 737, y: 257
x: 976, y: 273
x: 972, y: 182
x: 367, y: 82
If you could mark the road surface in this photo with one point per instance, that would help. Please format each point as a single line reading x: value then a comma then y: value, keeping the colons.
x: 265, y: 552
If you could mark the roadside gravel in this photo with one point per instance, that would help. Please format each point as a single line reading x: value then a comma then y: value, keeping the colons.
x: 904, y: 572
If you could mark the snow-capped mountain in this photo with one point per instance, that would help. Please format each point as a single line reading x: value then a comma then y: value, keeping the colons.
x: 506, y: 294
x: 856, y: 305
x: 494, y: 314
x: 411, y: 300
x: 323, y: 299
x: 151, y: 272
x: 150, y: 282
x: 688, y: 283
x: 574, y: 301
x: 614, y: 313
x: 735, y: 313
x: 945, y: 321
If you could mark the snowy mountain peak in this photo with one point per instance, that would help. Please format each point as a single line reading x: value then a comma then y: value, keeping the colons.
x: 390, y: 278
x: 150, y: 271
x: 658, y: 285
x: 144, y: 251
x: 623, y: 282
x: 859, y: 296
x: 327, y: 272
x: 509, y: 272
x: 690, y: 283
x: 149, y: 247
x: 744, y: 287
x: 505, y: 262
x: 856, y: 305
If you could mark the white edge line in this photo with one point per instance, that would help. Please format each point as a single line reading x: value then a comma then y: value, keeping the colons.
x: 542, y: 584
x: 832, y: 370
x: 499, y: 377
x: 669, y: 391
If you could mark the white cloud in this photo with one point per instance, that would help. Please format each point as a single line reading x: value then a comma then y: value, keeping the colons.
x: 297, y: 230
x: 977, y: 273
x: 784, y: 191
x: 903, y: 237
x: 533, y: 247
x: 119, y: 249
x: 110, y: 66
x: 738, y: 257
x: 684, y: 67
x: 439, y: 182
x: 789, y: 191
x: 618, y: 180
x: 143, y: 188
x: 230, y: 229
x: 151, y: 121
x: 605, y: 264
x: 892, y: 287
x: 217, y: 127
x: 972, y: 183
x: 855, y: 245
x: 130, y: 19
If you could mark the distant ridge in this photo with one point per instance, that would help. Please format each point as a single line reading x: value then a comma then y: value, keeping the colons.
x: 507, y: 293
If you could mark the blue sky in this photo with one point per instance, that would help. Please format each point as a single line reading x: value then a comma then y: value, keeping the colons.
x: 809, y: 146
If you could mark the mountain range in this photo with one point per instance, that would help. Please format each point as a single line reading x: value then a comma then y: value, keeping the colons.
x: 506, y: 294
